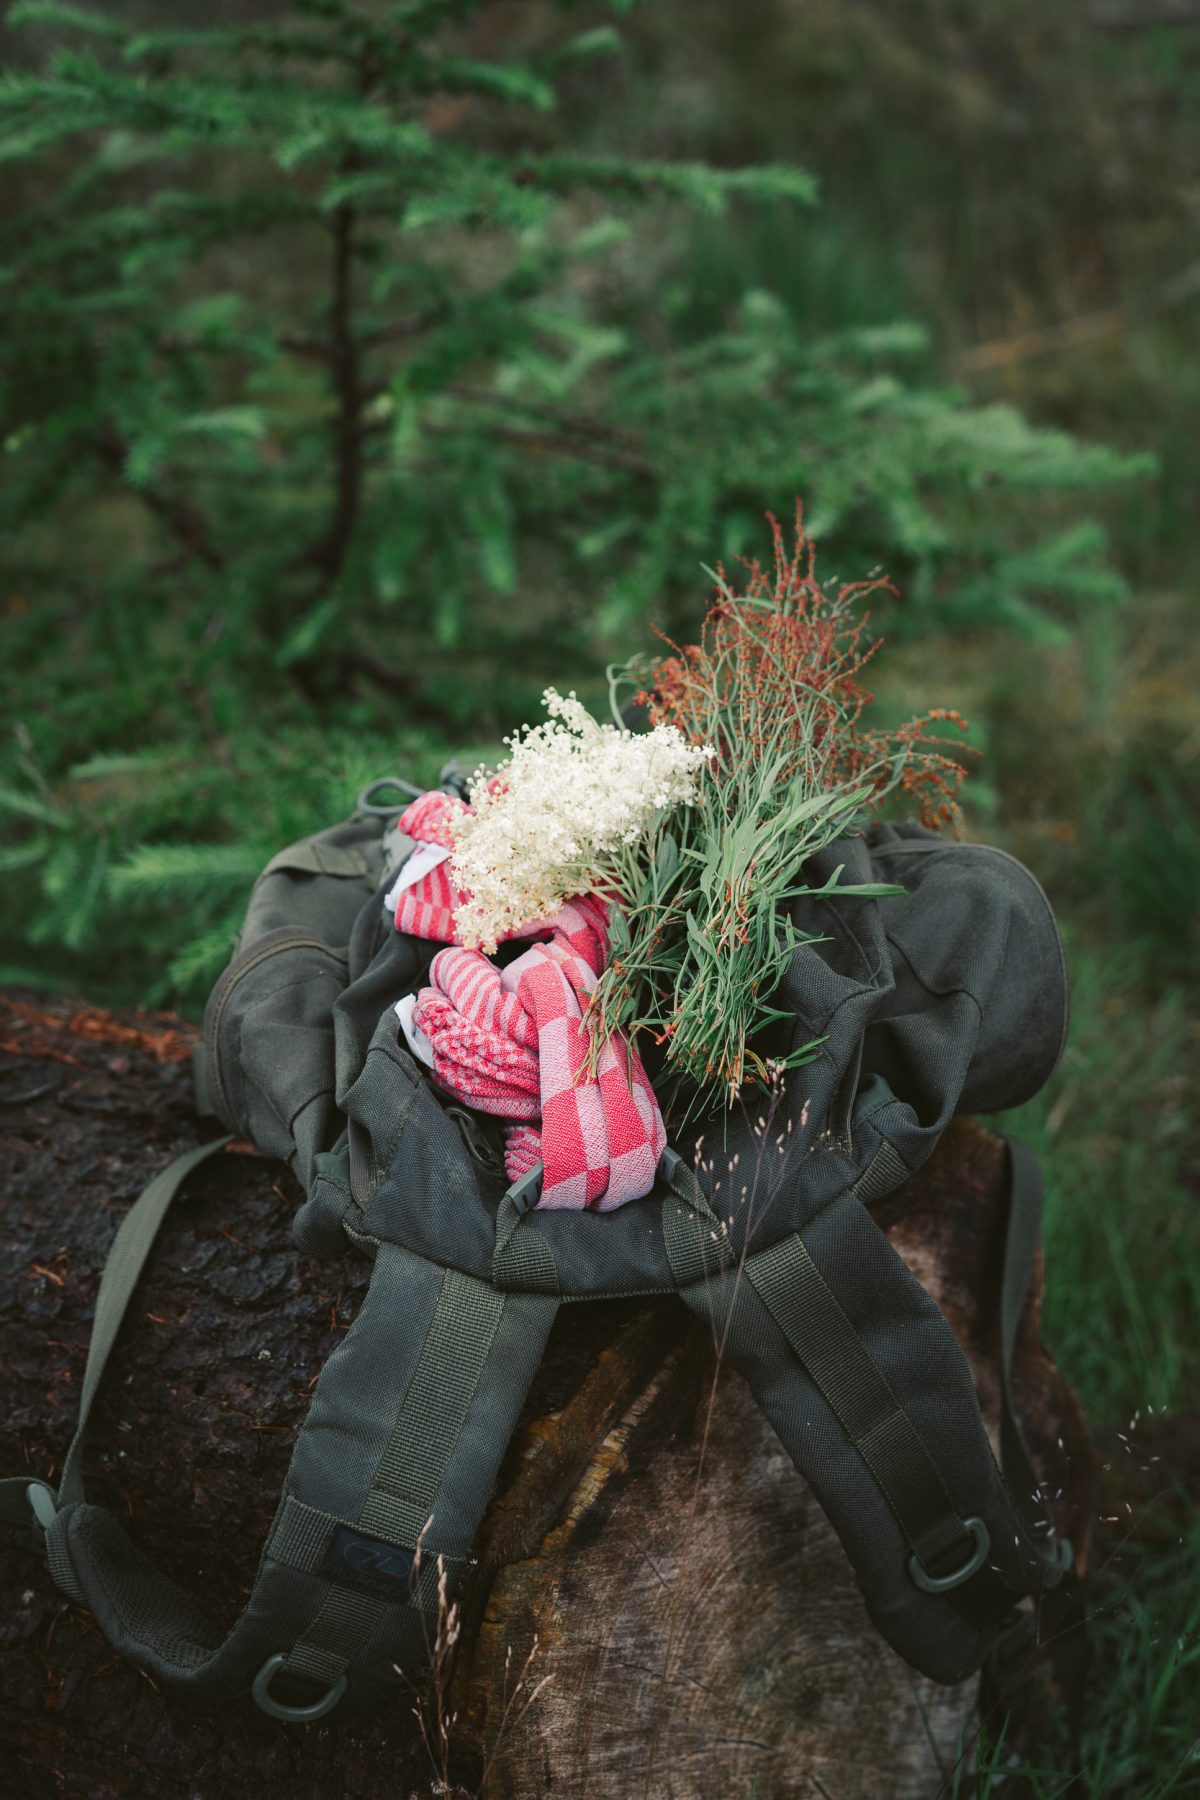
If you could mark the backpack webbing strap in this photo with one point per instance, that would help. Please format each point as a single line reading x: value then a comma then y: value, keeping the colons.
x: 126, y: 1259
x: 1022, y: 1235
x: 522, y: 1258
x: 389, y: 1478
x: 402, y: 1501
x: 807, y: 1311
x: 36, y: 1503
x: 862, y: 1377
x: 1059, y: 1623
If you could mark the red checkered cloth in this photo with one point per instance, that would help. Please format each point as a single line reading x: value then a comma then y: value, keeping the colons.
x: 426, y: 909
x: 512, y: 1042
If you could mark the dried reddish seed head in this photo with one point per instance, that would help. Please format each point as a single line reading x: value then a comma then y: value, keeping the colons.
x: 784, y: 657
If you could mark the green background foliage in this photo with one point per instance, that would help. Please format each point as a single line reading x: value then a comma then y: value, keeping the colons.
x: 367, y: 366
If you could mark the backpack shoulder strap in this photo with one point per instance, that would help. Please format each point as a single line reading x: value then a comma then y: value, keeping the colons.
x: 861, y: 1375
x: 23, y: 1502
x: 389, y: 1479
x: 1060, y: 1623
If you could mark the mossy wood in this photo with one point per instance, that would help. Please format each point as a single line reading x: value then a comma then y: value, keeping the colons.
x: 688, y: 1598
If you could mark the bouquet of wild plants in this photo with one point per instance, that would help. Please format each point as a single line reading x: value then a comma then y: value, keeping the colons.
x: 701, y: 932
x: 697, y: 833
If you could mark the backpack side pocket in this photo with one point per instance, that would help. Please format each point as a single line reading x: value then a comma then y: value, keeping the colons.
x: 269, y: 1045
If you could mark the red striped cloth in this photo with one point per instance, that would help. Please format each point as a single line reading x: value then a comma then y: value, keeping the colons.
x: 426, y: 909
x: 512, y: 1042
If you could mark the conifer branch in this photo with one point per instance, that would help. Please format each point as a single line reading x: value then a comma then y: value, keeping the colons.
x: 467, y: 406
x: 412, y: 325
x: 575, y: 423
x: 182, y: 517
x: 578, y: 448
x: 298, y: 343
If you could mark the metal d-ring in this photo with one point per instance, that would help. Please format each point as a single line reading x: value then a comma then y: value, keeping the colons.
x: 292, y: 1715
x: 941, y: 1584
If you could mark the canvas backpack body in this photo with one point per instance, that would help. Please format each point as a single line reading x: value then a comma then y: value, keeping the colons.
x: 950, y: 996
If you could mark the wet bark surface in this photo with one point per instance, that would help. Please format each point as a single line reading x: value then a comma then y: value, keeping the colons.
x: 649, y: 1555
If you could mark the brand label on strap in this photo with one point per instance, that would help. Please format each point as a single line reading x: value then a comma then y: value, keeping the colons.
x: 367, y: 1563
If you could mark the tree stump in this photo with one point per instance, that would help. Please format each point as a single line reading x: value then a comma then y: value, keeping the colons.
x: 660, y: 1607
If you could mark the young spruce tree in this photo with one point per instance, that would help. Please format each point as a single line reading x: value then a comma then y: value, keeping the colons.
x: 334, y: 426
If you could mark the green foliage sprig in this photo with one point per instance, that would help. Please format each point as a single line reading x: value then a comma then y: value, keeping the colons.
x: 704, y: 928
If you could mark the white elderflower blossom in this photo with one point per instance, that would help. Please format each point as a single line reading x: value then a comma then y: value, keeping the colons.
x: 548, y: 823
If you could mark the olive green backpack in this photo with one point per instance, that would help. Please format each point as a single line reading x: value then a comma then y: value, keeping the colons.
x: 950, y: 996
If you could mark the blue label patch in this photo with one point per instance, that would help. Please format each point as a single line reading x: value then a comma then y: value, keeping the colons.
x: 366, y: 1563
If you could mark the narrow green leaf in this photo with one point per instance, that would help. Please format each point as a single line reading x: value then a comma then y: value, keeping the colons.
x: 30, y: 806
x: 500, y: 81
x: 666, y: 862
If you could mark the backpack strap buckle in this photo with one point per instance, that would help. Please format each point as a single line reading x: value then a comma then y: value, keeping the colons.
x: 669, y: 1165
x: 43, y: 1504
x: 526, y: 1192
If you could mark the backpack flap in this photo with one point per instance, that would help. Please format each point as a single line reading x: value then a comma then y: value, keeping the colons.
x: 976, y: 1016
x: 319, y: 883
x: 949, y: 996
